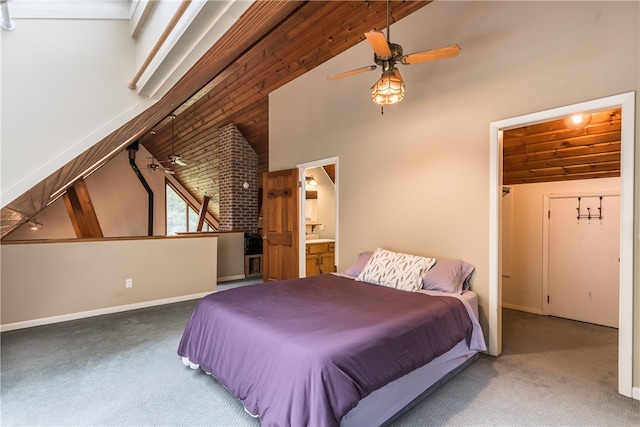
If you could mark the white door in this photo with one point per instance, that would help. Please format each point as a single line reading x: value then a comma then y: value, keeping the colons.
x: 584, y: 263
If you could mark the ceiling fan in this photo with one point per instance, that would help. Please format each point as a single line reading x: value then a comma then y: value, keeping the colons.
x: 390, y: 88
x: 153, y: 167
x: 173, y: 158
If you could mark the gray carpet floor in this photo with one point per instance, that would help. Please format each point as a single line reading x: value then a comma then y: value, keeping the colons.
x: 123, y: 370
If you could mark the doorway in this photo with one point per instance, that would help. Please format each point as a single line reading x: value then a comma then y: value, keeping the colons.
x: 626, y: 102
x: 319, y: 212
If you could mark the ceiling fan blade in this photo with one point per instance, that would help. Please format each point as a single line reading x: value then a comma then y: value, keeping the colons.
x: 176, y: 159
x: 379, y: 43
x: 431, y: 55
x: 353, y: 72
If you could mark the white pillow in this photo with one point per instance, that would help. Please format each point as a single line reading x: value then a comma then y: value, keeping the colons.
x: 395, y: 270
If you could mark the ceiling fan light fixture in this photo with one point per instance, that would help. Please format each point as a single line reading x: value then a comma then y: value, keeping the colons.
x: 389, y: 89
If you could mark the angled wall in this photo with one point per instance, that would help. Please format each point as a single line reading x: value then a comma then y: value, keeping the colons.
x: 63, y: 90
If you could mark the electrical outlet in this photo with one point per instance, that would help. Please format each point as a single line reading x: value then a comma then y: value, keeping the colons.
x: 128, y: 283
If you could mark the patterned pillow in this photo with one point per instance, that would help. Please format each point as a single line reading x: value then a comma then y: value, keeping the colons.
x: 395, y: 270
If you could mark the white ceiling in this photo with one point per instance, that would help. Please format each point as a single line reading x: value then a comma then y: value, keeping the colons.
x: 68, y: 9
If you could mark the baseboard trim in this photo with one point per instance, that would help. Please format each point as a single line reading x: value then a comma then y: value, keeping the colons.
x: 99, y: 312
x: 636, y: 393
x: 230, y: 278
x: 520, y: 308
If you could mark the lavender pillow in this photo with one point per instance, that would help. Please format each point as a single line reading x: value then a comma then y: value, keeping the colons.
x: 448, y: 275
x: 358, y: 266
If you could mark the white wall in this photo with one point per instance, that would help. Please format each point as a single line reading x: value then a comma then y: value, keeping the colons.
x: 523, y: 289
x: 419, y: 175
x: 64, y: 88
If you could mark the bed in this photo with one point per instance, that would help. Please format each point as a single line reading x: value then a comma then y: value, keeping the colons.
x: 333, y: 349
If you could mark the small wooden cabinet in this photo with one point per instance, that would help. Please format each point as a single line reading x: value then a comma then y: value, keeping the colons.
x: 320, y: 258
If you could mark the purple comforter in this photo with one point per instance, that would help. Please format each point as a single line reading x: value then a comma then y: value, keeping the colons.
x: 303, y: 352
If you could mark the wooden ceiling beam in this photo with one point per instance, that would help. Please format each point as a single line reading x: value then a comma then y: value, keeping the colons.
x: 203, y: 212
x: 81, y: 211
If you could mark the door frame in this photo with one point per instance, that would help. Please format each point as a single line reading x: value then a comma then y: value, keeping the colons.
x: 302, y: 167
x: 626, y: 101
x: 546, y: 200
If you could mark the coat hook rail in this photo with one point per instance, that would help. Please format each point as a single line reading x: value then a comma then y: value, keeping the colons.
x: 588, y: 215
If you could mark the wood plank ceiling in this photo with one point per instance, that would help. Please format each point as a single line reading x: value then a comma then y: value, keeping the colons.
x: 562, y: 150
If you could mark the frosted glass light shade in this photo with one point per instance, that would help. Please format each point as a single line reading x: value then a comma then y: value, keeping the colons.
x: 388, y: 90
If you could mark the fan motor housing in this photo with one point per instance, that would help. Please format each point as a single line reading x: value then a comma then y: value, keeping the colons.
x: 396, y: 55
x: 396, y: 51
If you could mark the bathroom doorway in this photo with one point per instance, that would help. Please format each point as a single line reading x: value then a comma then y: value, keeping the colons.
x: 318, y: 216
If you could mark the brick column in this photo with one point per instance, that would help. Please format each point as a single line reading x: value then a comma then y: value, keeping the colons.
x: 238, y: 165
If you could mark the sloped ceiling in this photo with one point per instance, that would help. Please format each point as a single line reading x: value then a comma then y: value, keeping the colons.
x: 273, y: 43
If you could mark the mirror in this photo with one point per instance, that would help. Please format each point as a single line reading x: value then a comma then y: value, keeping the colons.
x: 311, y: 206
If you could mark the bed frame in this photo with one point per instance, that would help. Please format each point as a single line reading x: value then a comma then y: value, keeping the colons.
x: 390, y: 402
x: 432, y: 388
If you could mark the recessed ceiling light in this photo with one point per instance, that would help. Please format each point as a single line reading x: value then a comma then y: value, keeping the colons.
x: 577, y: 119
